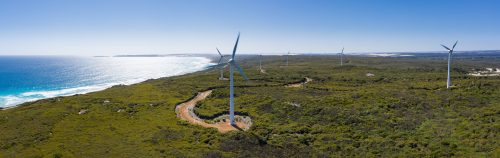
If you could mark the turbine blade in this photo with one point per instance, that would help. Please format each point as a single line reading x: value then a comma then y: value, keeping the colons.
x: 240, y: 70
x: 446, y: 47
x: 219, y: 61
x: 219, y: 52
x: 454, y: 45
x: 342, y: 50
x: 236, y: 45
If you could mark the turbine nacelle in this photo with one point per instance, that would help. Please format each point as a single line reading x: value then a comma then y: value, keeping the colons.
x: 221, y: 58
x: 452, y: 48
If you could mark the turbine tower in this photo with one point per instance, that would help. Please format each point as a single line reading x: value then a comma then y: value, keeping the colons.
x: 233, y: 65
x: 260, y: 63
x: 221, y: 66
x: 341, y: 56
x: 448, y: 82
x: 287, y: 58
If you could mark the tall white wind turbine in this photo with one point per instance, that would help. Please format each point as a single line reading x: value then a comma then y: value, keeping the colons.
x: 260, y: 63
x: 221, y: 67
x: 288, y: 54
x: 448, y: 82
x: 341, y: 56
x: 233, y: 65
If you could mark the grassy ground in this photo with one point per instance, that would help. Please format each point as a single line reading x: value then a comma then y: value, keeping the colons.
x: 403, y: 111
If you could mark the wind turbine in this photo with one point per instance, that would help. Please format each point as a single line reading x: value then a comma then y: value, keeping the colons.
x: 221, y: 66
x: 341, y: 55
x: 232, y: 65
x: 448, y: 82
x: 260, y: 63
x: 287, y: 58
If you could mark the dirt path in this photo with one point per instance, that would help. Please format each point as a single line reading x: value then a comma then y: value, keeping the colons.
x: 300, y: 84
x: 185, y: 112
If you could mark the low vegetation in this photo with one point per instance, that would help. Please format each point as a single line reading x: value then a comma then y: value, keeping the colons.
x: 404, y: 110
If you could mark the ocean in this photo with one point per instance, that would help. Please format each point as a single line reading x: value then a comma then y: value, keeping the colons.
x: 30, y: 78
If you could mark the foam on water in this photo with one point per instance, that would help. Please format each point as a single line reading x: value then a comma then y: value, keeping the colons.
x: 382, y: 54
x: 117, y: 71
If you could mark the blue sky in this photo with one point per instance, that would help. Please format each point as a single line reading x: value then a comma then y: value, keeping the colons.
x: 108, y: 27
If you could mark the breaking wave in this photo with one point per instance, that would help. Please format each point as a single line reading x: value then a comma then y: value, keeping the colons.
x: 150, y: 68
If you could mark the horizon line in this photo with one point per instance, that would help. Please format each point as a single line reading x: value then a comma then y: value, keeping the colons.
x: 249, y: 53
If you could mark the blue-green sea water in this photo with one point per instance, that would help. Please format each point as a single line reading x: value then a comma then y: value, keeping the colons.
x: 29, y: 78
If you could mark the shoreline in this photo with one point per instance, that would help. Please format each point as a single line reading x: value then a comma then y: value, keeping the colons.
x: 105, y: 87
